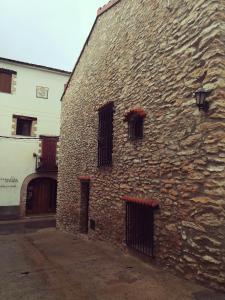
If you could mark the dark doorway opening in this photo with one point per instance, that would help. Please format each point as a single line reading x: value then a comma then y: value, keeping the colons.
x: 41, y: 196
x: 140, y: 227
x: 84, y: 206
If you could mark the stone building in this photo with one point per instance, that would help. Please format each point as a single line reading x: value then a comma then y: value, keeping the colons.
x: 142, y: 162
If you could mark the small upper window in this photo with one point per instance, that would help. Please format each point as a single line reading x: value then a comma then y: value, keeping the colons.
x: 135, y: 127
x: 6, y: 80
x: 135, y: 119
x: 24, y: 125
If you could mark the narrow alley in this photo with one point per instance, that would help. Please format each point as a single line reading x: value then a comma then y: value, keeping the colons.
x: 48, y: 264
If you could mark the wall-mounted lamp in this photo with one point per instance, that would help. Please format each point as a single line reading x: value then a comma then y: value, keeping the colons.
x: 201, y: 102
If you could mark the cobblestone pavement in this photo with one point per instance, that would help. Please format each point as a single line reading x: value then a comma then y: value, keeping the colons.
x: 47, y: 264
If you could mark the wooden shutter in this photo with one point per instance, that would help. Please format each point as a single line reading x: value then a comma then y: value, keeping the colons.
x: 49, y: 152
x: 5, y: 82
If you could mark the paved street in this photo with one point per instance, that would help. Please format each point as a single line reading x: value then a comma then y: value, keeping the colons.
x: 50, y: 265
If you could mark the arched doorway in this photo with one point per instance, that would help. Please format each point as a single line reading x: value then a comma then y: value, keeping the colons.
x: 41, y: 196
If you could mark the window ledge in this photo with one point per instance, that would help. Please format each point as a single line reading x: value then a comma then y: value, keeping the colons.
x: 24, y: 136
x: 135, y: 111
x: 6, y: 93
x: 84, y: 178
x: 149, y: 202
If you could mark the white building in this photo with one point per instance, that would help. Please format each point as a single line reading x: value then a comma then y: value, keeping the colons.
x: 29, y: 129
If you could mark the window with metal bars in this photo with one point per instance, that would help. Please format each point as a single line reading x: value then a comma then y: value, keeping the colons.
x: 140, y: 227
x: 105, y: 135
x: 135, y: 127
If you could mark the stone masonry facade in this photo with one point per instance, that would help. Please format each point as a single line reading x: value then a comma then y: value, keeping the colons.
x: 152, y: 55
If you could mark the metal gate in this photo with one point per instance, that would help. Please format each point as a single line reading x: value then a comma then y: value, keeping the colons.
x: 105, y: 135
x: 140, y: 227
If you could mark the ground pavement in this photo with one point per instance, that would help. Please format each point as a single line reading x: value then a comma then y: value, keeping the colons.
x: 47, y: 264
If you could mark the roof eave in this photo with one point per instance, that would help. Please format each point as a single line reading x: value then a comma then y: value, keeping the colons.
x: 8, y: 60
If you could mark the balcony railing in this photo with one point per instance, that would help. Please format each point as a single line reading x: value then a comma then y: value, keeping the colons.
x: 45, y: 166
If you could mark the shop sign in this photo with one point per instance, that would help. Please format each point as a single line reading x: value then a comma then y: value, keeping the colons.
x: 8, y: 182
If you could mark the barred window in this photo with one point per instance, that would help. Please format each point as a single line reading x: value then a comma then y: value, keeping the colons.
x: 135, y: 119
x: 135, y: 127
x: 105, y: 135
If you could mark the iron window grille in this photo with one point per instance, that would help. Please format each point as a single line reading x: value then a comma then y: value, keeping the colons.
x: 105, y: 135
x: 135, y: 127
x: 140, y: 227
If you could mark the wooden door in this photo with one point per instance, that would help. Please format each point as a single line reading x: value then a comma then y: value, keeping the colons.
x: 41, y: 196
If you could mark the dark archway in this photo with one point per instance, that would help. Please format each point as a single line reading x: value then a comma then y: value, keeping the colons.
x: 41, y: 196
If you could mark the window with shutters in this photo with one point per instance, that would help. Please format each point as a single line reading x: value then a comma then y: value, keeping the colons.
x: 24, y: 125
x: 6, y: 80
x: 105, y: 135
x: 48, y: 154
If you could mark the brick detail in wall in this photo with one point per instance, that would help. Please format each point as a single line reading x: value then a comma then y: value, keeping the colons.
x: 138, y: 111
x: 107, y: 6
x: 148, y: 202
x: 84, y: 178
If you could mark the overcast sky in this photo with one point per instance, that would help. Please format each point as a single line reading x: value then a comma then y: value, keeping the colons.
x: 46, y: 32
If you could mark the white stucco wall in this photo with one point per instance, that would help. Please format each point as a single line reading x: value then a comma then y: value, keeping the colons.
x: 16, y: 161
x: 16, y: 155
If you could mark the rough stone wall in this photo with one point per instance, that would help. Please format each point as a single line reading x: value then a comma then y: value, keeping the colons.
x: 154, y: 56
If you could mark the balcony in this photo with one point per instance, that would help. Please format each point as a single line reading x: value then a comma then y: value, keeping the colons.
x: 47, y: 162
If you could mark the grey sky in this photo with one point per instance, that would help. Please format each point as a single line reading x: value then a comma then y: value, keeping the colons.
x: 46, y: 32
